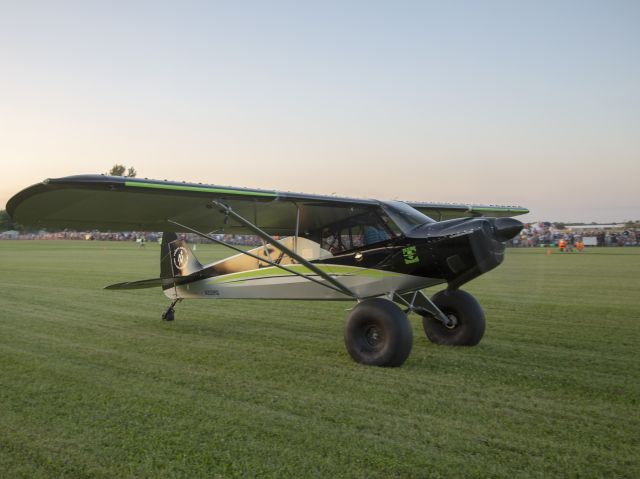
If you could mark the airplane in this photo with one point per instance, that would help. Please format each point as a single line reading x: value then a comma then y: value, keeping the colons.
x: 380, y: 254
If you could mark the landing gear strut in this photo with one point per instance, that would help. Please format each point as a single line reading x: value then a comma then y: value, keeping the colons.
x: 465, y: 319
x: 452, y: 317
x: 169, y: 314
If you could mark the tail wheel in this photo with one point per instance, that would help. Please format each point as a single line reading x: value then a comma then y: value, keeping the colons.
x: 466, y: 319
x: 378, y: 333
x: 168, y: 315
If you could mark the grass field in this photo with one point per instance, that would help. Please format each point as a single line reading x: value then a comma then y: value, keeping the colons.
x: 94, y: 384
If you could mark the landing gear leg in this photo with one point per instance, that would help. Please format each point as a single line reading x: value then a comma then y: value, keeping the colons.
x: 169, y: 314
x: 465, y: 325
x: 452, y: 317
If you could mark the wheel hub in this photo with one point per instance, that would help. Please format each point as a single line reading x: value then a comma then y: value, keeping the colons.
x: 451, y: 322
x: 373, y: 336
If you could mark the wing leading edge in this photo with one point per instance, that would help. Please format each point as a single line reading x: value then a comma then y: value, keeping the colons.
x: 446, y: 211
x: 110, y: 203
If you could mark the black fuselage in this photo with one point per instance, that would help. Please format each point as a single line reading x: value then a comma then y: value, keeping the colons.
x: 455, y: 251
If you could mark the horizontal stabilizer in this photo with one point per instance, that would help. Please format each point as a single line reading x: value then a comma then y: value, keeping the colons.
x: 144, y: 283
x: 155, y: 282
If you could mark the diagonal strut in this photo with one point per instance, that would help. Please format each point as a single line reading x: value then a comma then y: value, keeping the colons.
x: 239, y: 250
x: 292, y: 254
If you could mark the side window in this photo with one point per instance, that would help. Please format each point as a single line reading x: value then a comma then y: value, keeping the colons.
x: 395, y: 231
x: 331, y: 241
x: 339, y: 239
x: 357, y: 236
x: 376, y: 230
x: 357, y: 232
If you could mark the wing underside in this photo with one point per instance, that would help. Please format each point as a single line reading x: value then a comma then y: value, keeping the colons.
x: 96, y: 202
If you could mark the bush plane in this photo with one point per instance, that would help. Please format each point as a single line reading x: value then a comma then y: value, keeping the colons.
x: 380, y: 254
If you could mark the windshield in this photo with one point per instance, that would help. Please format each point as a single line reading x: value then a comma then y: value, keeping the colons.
x: 404, y: 216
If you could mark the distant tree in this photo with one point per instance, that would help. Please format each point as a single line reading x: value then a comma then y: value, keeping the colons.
x: 119, y: 170
x: 6, y: 223
x: 559, y: 226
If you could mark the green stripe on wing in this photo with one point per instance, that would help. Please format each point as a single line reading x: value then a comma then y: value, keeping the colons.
x: 199, y: 189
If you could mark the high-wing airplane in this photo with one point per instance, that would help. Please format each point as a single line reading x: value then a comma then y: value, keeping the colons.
x: 378, y: 253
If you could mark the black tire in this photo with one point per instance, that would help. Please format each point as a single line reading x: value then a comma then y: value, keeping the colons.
x: 168, y: 315
x: 467, y: 314
x: 378, y: 333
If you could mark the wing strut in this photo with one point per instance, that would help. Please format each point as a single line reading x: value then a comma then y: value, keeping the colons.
x: 418, y: 302
x: 272, y: 263
x: 292, y: 254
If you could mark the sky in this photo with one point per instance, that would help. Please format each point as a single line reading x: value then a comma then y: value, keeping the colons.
x: 496, y: 102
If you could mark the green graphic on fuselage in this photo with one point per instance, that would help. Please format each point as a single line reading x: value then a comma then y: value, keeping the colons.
x: 410, y: 255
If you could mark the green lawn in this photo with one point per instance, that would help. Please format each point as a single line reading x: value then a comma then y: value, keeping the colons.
x: 94, y: 384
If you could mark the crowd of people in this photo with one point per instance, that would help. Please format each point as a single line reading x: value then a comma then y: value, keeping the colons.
x: 546, y: 234
x: 87, y: 236
x: 140, y: 237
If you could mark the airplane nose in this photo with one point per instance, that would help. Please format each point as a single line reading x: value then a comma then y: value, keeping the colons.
x: 506, y: 228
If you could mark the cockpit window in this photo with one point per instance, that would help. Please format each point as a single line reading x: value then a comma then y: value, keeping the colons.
x: 362, y: 230
x: 404, y: 216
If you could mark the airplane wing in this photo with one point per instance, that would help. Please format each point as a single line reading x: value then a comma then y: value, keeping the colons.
x: 449, y: 211
x: 107, y: 203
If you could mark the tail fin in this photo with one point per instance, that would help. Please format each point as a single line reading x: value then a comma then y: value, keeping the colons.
x: 176, y: 258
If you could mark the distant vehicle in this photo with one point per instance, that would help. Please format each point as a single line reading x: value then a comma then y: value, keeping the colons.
x: 380, y: 254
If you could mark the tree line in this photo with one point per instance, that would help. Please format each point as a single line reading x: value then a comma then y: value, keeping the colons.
x: 6, y: 223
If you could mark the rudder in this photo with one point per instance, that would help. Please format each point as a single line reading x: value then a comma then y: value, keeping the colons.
x: 176, y: 258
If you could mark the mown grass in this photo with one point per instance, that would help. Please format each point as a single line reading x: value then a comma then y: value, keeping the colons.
x: 93, y: 384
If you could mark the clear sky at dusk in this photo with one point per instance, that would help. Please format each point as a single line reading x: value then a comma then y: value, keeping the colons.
x: 503, y: 102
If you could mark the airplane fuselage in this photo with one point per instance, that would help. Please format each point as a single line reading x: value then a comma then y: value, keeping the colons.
x: 452, y: 252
